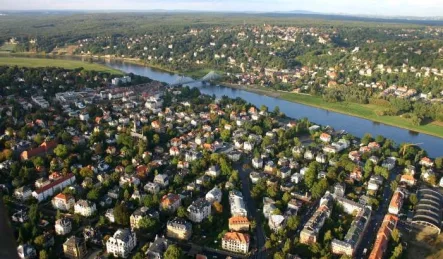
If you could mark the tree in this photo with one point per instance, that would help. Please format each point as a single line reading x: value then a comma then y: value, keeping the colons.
x: 182, y: 212
x: 287, y: 247
x: 276, y: 110
x: 61, y: 151
x: 397, y: 252
x: 293, y: 222
x: 86, y: 172
x: 395, y: 234
x: 93, y: 194
x: 328, y: 236
x: 413, y: 199
x: 366, y: 139
x: 394, y: 185
x: 39, y: 241
x: 121, y: 214
x: 439, y: 162
x: 148, y: 224
x: 173, y: 252
x: 43, y: 254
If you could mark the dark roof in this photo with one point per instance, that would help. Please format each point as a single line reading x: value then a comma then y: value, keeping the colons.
x: 429, y: 208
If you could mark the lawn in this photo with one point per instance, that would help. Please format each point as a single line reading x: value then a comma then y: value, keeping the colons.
x: 366, y: 111
x: 68, y: 64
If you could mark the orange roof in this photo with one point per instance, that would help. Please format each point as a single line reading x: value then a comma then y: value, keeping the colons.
x: 407, y: 178
x: 169, y: 199
x: 238, y: 220
x: 325, y: 135
x: 397, y: 200
x: 383, y: 235
x: 237, y: 236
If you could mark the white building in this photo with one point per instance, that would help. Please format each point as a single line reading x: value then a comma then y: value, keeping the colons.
x: 121, y: 243
x: 152, y: 187
x: 63, y: 202
x: 199, y: 210
x: 238, y: 207
x: 213, y: 171
x: 63, y: 226
x: 236, y: 242
x: 54, y: 187
x: 214, y: 195
x: 162, y: 180
x: 257, y: 163
x: 85, y: 208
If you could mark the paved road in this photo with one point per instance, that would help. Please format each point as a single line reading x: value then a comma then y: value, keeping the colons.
x: 252, y: 212
x: 377, y: 218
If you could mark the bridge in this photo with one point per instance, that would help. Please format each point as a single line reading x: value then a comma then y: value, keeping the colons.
x: 211, y: 76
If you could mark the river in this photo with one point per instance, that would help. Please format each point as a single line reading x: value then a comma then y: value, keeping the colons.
x: 354, y: 125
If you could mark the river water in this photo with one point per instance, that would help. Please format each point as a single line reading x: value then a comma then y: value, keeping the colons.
x: 354, y: 125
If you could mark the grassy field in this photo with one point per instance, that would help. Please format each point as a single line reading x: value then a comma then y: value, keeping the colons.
x: 42, y: 62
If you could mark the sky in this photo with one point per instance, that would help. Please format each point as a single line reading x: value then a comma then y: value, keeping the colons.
x: 423, y: 8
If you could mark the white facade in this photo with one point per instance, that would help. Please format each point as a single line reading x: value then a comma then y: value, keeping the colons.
x: 63, y: 226
x: 85, y: 208
x: 121, y: 243
x: 199, y: 210
x: 63, y: 202
x: 238, y: 207
x: 236, y: 242
x: 214, y: 195
x: 52, y: 188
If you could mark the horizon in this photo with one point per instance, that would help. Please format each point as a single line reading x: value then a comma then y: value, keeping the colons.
x: 388, y: 8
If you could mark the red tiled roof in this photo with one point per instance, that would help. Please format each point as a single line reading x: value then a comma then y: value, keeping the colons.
x: 54, y: 183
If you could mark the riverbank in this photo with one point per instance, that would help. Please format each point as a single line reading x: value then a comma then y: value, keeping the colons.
x: 364, y: 111
x: 23, y: 61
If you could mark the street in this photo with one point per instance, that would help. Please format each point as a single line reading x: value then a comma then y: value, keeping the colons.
x: 376, y: 218
x: 252, y: 212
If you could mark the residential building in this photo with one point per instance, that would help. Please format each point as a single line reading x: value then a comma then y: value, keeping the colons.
x: 63, y: 202
x: 179, y: 228
x: 236, y: 242
x: 151, y: 187
x: 157, y: 248
x: 238, y: 207
x: 26, y: 251
x: 121, y: 243
x: 426, y: 161
x: 257, y: 163
x: 170, y: 202
x: 213, y: 171
x: 199, y: 210
x: 162, y: 180
x: 23, y: 193
x: 214, y: 195
x: 85, y: 208
x: 239, y: 224
x: 383, y: 236
x: 141, y: 213
x: 63, y: 226
x: 355, y: 233
x: 44, y: 148
x: 396, y: 202
x: 55, y: 186
x: 75, y: 248
x: 310, y: 231
x: 276, y: 222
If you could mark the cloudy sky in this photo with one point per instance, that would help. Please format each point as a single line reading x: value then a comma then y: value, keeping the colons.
x: 373, y: 7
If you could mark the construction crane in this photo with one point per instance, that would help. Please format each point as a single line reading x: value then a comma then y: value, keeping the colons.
x: 406, y: 145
